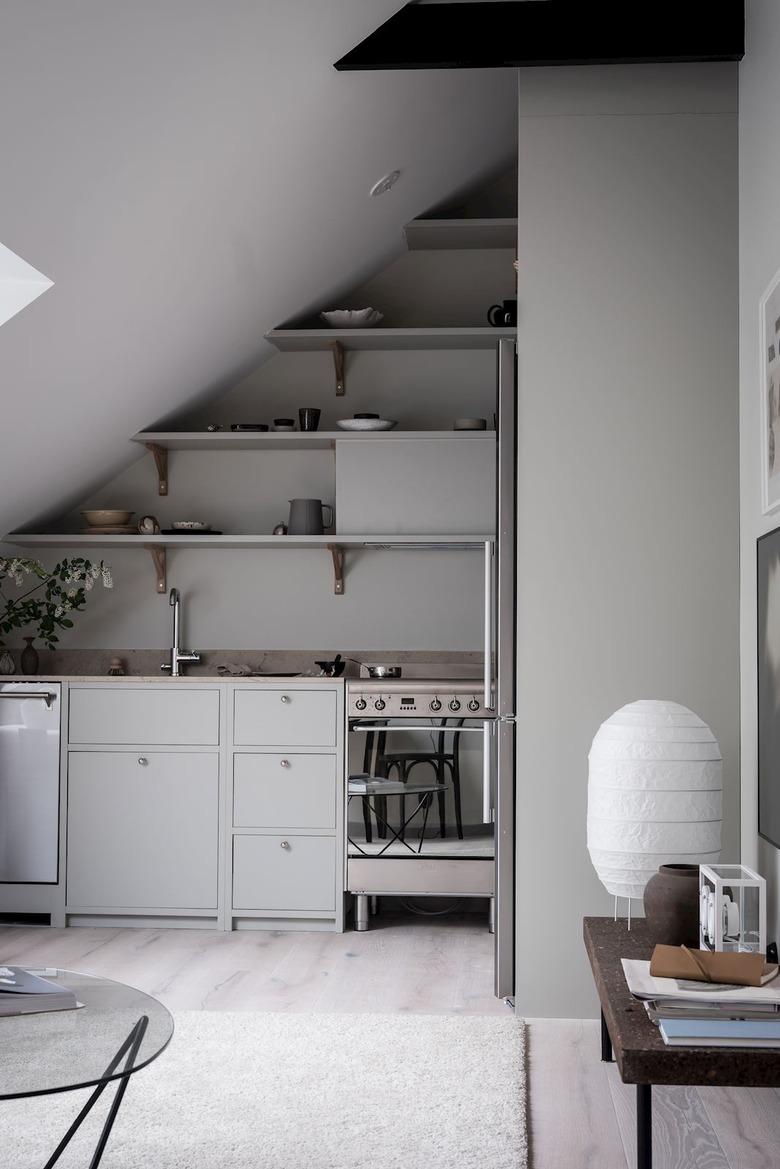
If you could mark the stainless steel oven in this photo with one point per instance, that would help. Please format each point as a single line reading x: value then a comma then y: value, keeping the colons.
x: 412, y: 829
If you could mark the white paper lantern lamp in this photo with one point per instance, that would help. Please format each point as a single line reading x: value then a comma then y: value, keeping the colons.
x: 654, y: 794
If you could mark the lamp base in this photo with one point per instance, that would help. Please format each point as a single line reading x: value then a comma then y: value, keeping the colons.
x: 671, y: 901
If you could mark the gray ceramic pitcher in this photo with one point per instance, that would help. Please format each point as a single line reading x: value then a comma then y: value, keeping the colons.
x: 307, y: 517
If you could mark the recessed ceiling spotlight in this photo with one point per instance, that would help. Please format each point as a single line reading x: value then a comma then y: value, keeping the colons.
x: 385, y: 183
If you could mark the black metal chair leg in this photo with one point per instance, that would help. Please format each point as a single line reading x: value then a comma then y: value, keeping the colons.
x: 367, y: 819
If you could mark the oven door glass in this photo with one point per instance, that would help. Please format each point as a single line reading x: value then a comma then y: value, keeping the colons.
x: 419, y: 787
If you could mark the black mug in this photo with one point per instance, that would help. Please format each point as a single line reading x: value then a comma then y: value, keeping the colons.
x: 503, y: 314
x: 309, y: 418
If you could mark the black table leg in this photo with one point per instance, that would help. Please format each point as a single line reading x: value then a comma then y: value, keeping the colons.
x: 606, y: 1042
x: 644, y: 1127
x: 130, y: 1049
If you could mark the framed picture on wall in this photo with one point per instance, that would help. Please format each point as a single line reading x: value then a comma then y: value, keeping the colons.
x: 768, y: 614
x: 769, y: 372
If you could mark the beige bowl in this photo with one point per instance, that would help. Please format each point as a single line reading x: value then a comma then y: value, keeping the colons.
x: 469, y: 424
x: 107, y: 518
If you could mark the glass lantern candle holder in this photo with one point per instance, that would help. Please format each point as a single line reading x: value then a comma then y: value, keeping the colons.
x: 732, y: 909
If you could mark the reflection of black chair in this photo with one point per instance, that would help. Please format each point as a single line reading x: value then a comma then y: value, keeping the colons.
x: 443, y: 757
x: 372, y: 755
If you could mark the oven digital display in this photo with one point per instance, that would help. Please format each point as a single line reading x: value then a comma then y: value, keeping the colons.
x: 407, y: 702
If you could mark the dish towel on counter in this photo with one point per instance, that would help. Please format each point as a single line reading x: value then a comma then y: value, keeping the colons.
x: 231, y: 670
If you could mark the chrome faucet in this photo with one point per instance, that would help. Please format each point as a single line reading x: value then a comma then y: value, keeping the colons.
x: 177, y: 655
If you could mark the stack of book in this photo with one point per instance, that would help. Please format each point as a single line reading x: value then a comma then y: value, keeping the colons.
x: 24, y: 992
x: 701, y: 1013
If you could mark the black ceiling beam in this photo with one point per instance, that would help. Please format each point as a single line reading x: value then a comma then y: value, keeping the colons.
x: 507, y: 34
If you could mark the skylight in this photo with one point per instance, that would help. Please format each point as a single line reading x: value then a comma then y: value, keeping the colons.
x: 20, y: 284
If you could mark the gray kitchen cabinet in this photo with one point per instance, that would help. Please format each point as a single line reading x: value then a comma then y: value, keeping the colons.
x: 142, y: 808
x: 285, y: 863
x: 142, y: 832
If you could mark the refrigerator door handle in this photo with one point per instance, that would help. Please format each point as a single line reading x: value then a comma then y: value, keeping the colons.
x: 487, y: 771
x: 487, y: 681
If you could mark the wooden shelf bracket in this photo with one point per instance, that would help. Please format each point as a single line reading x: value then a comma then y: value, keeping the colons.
x: 337, y: 552
x: 338, y: 361
x: 161, y: 460
x: 159, y: 557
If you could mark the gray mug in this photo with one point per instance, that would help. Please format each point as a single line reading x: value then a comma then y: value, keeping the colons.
x: 307, y: 518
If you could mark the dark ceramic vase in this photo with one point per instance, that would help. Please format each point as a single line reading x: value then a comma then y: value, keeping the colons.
x: 29, y: 657
x: 671, y: 902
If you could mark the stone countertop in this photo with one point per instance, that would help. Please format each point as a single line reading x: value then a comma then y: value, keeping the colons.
x: 640, y: 1052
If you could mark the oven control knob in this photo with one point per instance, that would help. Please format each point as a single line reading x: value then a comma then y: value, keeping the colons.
x: 379, y: 704
x: 361, y: 704
x: 473, y: 704
x: 435, y: 704
x: 454, y: 704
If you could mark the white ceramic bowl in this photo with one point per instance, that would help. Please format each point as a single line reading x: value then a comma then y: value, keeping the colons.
x: 365, y: 424
x: 106, y: 517
x: 190, y: 526
x: 358, y: 318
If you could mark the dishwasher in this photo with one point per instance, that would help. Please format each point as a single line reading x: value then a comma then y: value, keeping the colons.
x: 29, y: 781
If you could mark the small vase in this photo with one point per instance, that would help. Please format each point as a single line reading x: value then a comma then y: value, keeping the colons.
x: 29, y: 659
x: 671, y: 901
x: 7, y: 664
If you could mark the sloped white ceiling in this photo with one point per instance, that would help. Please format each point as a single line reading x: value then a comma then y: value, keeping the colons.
x: 190, y: 174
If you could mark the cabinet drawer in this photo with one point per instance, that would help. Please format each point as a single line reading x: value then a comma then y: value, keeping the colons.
x: 143, y: 835
x: 157, y: 716
x: 292, y: 873
x: 300, y: 718
x: 284, y: 791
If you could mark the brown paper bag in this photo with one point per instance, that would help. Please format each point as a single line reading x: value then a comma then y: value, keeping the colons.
x: 703, y: 966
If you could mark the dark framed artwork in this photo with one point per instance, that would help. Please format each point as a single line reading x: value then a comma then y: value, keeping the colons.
x: 768, y: 598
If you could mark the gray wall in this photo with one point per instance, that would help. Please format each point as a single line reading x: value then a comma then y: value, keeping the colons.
x: 759, y: 242
x: 628, y: 476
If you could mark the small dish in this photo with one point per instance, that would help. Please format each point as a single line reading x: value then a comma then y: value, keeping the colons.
x: 348, y: 318
x: 469, y: 424
x: 249, y: 426
x: 107, y: 517
x: 207, y: 531
x: 365, y: 424
x: 190, y: 526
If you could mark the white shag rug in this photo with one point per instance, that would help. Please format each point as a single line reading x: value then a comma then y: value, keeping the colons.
x: 296, y: 1091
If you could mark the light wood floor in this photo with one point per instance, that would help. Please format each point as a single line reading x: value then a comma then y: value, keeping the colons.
x: 580, y: 1115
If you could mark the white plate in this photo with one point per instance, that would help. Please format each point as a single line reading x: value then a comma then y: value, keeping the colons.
x: 365, y: 424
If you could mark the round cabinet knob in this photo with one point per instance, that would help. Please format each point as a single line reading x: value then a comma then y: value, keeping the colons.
x: 473, y: 704
x: 285, y: 698
x: 361, y: 704
x: 454, y: 704
x: 143, y: 761
x: 379, y: 704
x: 285, y: 763
x: 435, y: 704
x: 284, y: 844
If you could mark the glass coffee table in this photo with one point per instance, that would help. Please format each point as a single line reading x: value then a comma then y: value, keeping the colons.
x: 117, y: 1031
